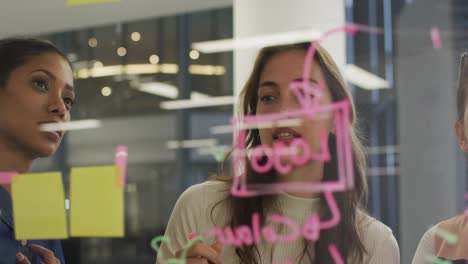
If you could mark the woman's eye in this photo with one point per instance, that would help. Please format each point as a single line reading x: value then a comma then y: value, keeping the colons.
x: 267, y: 98
x: 68, y: 102
x: 308, y: 93
x: 40, y: 84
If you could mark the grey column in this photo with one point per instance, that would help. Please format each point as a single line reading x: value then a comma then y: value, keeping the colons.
x: 183, y: 81
x: 431, y: 176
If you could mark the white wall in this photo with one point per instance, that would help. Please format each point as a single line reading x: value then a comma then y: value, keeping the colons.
x: 261, y: 17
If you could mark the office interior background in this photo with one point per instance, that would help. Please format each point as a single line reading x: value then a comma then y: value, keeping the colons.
x: 130, y: 57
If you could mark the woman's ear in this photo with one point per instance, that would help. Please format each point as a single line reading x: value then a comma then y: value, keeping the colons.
x: 460, y: 132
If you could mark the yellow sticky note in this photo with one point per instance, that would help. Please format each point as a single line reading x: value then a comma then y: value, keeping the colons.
x: 86, y: 2
x: 39, y: 206
x: 96, y: 202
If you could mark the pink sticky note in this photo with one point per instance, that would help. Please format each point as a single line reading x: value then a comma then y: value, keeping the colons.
x: 121, y: 156
x: 6, y: 177
x: 435, y: 37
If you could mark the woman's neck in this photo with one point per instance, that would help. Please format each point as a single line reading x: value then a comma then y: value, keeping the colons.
x: 13, y: 160
x: 309, y: 173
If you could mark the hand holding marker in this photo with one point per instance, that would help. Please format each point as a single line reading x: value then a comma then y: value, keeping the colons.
x: 194, y: 253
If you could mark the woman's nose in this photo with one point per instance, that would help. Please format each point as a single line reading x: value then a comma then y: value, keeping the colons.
x: 289, y: 102
x: 57, y: 106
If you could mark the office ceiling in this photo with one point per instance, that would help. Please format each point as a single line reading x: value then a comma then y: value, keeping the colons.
x: 20, y: 17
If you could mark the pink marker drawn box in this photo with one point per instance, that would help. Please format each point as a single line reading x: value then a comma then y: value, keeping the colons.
x: 345, y: 171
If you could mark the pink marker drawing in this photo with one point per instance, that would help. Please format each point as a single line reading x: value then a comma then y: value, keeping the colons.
x: 121, y: 157
x: 335, y: 254
x: 192, y: 236
x: 248, y: 235
x: 6, y: 177
x: 435, y: 37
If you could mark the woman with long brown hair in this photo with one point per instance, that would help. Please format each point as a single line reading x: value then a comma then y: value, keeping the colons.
x: 210, y: 210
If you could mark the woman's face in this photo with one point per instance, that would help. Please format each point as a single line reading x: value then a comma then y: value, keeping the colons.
x: 275, y: 96
x: 461, y: 129
x: 38, y: 92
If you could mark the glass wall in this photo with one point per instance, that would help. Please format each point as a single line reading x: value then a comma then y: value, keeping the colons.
x: 124, y: 72
x: 129, y: 72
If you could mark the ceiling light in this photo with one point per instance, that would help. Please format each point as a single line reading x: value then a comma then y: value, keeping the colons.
x: 197, y: 95
x: 226, y: 129
x: 207, y: 69
x: 98, y: 64
x: 135, y: 69
x: 106, y: 91
x: 136, y: 36
x: 154, y: 59
x: 121, y: 51
x: 73, y: 125
x: 257, y: 41
x: 194, y: 54
x: 160, y: 89
x: 194, y: 143
x: 364, y: 79
x: 92, y: 42
x: 198, y: 103
x: 166, y: 90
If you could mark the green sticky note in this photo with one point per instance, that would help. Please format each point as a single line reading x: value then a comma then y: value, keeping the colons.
x: 96, y: 202
x: 87, y: 2
x: 39, y: 206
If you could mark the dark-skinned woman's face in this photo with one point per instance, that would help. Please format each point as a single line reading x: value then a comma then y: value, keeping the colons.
x: 37, y: 92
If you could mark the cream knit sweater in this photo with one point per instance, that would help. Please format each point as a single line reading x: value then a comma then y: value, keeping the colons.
x: 192, y: 214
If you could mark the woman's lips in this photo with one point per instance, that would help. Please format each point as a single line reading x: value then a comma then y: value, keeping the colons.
x: 285, y: 134
x: 53, y: 135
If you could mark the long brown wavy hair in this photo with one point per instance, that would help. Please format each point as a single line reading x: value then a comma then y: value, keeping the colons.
x: 346, y: 234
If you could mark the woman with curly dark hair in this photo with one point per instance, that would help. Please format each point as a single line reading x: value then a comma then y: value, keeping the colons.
x: 36, y: 87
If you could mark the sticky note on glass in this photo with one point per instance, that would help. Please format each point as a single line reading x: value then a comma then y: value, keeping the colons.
x: 96, y: 202
x: 87, y: 2
x: 39, y: 206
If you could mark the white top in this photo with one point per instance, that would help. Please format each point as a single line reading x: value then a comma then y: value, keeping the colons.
x: 425, y: 251
x: 192, y: 214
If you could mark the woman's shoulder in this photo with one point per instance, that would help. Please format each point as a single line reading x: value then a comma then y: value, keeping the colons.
x: 208, y: 188
x: 202, y: 205
x: 204, y: 195
x: 451, y: 241
x: 455, y: 224
x: 371, y: 226
x: 425, y: 247
x: 378, y: 239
